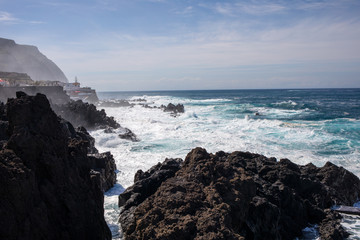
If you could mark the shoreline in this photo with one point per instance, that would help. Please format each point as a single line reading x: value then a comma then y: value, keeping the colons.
x: 164, y: 115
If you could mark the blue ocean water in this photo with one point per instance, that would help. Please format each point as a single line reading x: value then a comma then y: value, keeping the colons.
x: 306, y: 125
x: 332, y: 112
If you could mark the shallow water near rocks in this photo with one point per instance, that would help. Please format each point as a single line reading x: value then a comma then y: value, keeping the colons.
x: 302, y: 125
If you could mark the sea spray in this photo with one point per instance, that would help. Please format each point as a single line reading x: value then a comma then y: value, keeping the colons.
x: 305, y: 126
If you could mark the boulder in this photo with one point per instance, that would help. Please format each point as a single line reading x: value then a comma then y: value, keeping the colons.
x: 128, y: 135
x: 237, y: 195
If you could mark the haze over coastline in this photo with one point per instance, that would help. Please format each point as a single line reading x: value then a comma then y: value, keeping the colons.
x: 161, y: 45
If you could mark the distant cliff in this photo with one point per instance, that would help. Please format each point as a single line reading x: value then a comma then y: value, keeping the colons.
x: 29, y: 60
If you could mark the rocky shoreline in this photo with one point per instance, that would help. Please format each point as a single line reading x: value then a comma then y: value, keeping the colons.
x: 237, y: 195
x: 173, y: 109
x: 53, y: 179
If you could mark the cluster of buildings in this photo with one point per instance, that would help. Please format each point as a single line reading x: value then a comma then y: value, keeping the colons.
x: 74, y: 90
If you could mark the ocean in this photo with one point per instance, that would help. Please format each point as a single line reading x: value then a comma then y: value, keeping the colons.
x: 306, y: 125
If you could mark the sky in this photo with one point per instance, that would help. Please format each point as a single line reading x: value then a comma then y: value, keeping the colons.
x: 136, y: 45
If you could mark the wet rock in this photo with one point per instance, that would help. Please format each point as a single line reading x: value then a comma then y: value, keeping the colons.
x: 128, y: 135
x: 85, y: 114
x: 50, y: 187
x: 109, y: 130
x: 330, y: 228
x: 175, y: 109
x: 237, y: 195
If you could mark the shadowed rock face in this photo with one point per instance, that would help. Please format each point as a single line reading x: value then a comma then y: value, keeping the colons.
x: 50, y: 187
x: 85, y: 114
x: 28, y: 59
x: 236, y: 196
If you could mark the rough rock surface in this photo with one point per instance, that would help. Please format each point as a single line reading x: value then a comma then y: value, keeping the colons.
x: 236, y: 195
x: 146, y: 184
x: 50, y: 187
x: 85, y: 114
x: 175, y: 109
x: 128, y: 135
x: 28, y: 59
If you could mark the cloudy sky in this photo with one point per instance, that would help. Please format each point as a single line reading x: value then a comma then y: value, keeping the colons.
x: 115, y: 45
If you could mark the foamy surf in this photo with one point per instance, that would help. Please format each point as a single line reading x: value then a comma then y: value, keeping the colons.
x: 282, y: 129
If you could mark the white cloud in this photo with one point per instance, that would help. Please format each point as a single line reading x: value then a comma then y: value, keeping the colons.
x: 6, y: 17
x: 262, y: 8
x: 308, y: 41
x: 252, y: 8
x: 188, y: 10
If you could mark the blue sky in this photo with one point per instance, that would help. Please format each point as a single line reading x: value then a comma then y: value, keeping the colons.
x: 115, y: 45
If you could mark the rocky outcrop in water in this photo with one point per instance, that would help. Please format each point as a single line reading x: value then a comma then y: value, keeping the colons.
x: 50, y: 187
x: 128, y: 135
x: 29, y: 60
x: 236, y: 195
x: 85, y: 114
x: 174, y: 109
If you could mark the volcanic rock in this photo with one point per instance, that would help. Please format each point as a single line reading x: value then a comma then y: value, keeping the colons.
x: 237, y: 195
x: 175, y: 109
x: 146, y: 184
x: 50, y: 187
x: 85, y: 114
x: 128, y: 135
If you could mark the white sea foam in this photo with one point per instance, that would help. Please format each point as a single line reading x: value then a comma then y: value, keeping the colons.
x: 207, y: 125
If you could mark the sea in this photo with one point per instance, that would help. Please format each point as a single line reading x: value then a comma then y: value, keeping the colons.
x: 303, y: 125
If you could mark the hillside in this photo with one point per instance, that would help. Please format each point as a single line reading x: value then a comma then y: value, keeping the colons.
x: 28, y: 59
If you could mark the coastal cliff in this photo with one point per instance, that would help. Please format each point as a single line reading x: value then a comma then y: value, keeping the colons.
x: 52, y: 177
x: 236, y: 195
x: 28, y: 59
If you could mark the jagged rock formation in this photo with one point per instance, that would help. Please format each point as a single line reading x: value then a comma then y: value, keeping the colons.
x: 174, y: 109
x: 85, y: 114
x: 236, y: 195
x: 50, y: 187
x: 128, y: 135
x: 29, y: 60
x: 146, y: 184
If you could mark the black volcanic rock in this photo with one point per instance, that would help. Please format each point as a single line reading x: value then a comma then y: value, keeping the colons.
x: 175, y: 109
x: 236, y: 195
x: 85, y: 114
x: 146, y: 184
x: 128, y: 135
x: 28, y: 59
x: 50, y: 187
